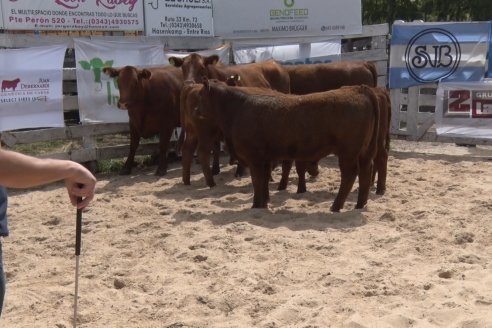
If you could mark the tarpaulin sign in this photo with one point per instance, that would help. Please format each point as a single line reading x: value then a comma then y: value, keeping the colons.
x: 464, y: 109
x: 312, y: 53
x: 178, y: 18
x: 280, y: 18
x: 98, y: 94
x: 31, y: 87
x: 431, y: 52
x: 73, y: 15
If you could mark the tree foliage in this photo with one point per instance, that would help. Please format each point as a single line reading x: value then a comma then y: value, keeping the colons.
x: 387, y: 11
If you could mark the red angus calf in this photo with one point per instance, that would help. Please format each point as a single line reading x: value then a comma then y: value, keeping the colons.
x: 264, y: 128
x: 269, y: 74
x: 151, y: 97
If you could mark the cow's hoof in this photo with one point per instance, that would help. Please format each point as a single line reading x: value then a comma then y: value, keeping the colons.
x: 186, y: 183
x: 160, y: 173
x: 125, y: 171
x: 301, y: 190
x: 380, y: 191
x: 211, y: 184
x: 335, y: 209
x: 359, y: 206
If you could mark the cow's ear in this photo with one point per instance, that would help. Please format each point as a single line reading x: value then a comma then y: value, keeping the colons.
x: 145, y: 74
x: 212, y: 60
x: 110, y: 71
x: 175, y: 61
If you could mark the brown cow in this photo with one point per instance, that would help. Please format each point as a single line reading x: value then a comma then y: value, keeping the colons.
x: 151, y: 97
x: 266, y: 128
x: 10, y: 84
x: 269, y: 74
x: 310, y: 78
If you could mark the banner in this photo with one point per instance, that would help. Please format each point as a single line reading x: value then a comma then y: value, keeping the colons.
x: 432, y: 52
x: 489, y: 71
x: 31, y: 93
x: 464, y: 109
x: 97, y: 93
x: 281, y: 18
x: 311, y: 53
x: 2, y: 25
x: 182, y: 18
x: 222, y: 52
x: 73, y: 15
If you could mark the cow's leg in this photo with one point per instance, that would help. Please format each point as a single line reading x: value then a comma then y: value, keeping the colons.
x: 348, y: 171
x: 259, y: 177
x: 187, y: 150
x: 301, y: 168
x: 203, y: 153
x: 365, y: 175
x: 164, y: 139
x: 216, y: 158
x: 286, y: 166
x: 313, y: 168
x: 134, y: 142
x: 381, y: 166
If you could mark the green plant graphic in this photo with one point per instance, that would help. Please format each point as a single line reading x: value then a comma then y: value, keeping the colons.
x: 96, y: 64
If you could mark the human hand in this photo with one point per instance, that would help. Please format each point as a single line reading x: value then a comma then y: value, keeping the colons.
x: 80, y: 186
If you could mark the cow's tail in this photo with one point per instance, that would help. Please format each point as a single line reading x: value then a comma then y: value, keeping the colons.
x: 372, y: 68
x: 373, y: 144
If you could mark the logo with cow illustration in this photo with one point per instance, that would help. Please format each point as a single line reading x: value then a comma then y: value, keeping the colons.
x: 96, y: 65
x: 427, y: 61
x: 10, y: 84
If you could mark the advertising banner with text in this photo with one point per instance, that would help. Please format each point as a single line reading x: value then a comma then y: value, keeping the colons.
x: 70, y: 15
x: 464, y: 109
x: 433, y: 52
x: 31, y: 94
x: 98, y: 93
x: 277, y: 18
x: 179, y: 18
x: 313, y: 53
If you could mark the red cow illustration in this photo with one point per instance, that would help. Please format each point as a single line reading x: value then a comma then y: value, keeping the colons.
x: 6, y: 84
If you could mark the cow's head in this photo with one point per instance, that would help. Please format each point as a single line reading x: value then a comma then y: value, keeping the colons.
x: 129, y: 80
x: 194, y: 66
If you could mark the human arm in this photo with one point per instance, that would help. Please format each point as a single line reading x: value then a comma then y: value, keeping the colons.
x: 23, y: 171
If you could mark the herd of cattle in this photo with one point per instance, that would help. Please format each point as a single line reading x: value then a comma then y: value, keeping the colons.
x: 265, y: 114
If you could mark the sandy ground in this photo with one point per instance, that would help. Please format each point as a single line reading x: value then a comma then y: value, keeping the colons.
x: 156, y: 253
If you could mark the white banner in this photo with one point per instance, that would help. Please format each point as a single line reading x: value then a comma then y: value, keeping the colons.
x: 31, y: 93
x: 73, y: 15
x: 277, y: 18
x: 179, y: 18
x: 464, y: 109
x: 97, y: 93
x: 2, y: 26
x: 222, y: 52
x: 312, y: 53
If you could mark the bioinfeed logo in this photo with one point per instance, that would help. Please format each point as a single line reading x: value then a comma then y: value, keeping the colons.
x: 289, y: 12
x: 427, y: 62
